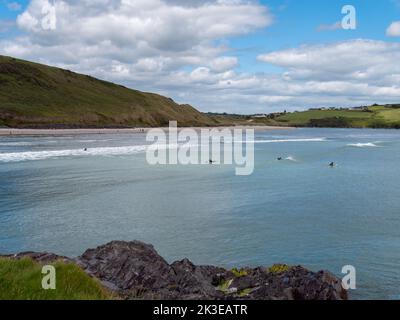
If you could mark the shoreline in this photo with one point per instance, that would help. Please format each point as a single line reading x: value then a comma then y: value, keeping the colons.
x: 61, y: 132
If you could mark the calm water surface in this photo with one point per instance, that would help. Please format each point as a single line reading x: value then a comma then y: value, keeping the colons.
x: 55, y: 197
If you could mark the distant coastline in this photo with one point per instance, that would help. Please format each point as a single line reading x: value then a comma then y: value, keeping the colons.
x: 40, y: 132
x: 373, y: 117
x: 37, y: 99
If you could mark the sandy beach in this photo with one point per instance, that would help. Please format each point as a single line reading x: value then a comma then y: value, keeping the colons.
x: 56, y: 132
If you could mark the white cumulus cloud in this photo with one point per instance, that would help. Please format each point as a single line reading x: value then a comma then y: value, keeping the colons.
x: 394, y: 29
x: 180, y: 48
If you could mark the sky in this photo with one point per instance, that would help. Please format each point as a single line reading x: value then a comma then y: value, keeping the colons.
x: 237, y: 56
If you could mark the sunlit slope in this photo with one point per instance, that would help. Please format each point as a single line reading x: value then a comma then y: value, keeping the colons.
x: 34, y: 95
x: 371, y: 117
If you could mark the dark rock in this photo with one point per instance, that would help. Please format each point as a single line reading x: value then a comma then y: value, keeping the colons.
x: 128, y: 266
x: 134, y: 270
x: 40, y: 257
x: 245, y: 282
x: 195, y: 282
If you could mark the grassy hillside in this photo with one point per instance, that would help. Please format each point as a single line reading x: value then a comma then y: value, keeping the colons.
x: 22, y: 280
x: 369, y: 117
x: 37, y: 96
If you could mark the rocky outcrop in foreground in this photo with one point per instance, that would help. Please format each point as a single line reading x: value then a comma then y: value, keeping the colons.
x: 134, y: 270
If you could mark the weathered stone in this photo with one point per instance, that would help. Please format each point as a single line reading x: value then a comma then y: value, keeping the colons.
x: 128, y: 265
x: 245, y: 282
x: 134, y: 270
x: 41, y: 257
x: 195, y: 281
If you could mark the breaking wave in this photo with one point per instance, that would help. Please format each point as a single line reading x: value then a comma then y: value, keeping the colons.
x: 290, y: 158
x: 110, y: 151
x: 286, y: 140
x: 363, y: 145
x: 15, y: 144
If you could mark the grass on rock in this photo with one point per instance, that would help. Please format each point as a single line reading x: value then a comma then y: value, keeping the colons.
x: 22, y: 280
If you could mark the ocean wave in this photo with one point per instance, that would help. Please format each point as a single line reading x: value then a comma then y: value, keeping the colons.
x: 285, y: 140
x: 107, y: 151
x: 291, y: 158
x: 26, y: 143
x: 15, y: 144
x: 42, y: 155
x: 363, y: 145
x: 91, y: 141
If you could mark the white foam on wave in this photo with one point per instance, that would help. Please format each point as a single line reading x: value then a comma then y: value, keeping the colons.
x: 291, y: 158
x: 286, y: 140
x: 105, y: 151
x: 26, y: 143
x: 363, y: 145
x: 15, y: 144
x: 89, y: 141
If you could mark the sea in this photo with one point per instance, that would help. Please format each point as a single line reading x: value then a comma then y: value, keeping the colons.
x: 57, y: 197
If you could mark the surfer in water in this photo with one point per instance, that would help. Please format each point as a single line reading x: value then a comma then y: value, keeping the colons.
x: 85, y: 149
x: 280, y: 159
x: 332, y: 164
x: 211, y: 161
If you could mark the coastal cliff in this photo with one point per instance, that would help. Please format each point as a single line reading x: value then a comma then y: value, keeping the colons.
x: 134, y: 270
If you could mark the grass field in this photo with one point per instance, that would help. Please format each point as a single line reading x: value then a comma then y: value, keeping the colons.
x: 370, y: 117
x: 22, y: 280
x: 304, y: 117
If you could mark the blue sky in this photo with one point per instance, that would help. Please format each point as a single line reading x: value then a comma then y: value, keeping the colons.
x: 296, y: 23
x: 6, y: 12
x: 235, y: 56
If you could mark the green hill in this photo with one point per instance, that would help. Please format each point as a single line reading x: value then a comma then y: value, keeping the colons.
x: 33, y: 95
x: 38, y: 96
x: 364, y: 117
x: 384, y: 116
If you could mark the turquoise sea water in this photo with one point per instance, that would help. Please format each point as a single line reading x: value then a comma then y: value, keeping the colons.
x: 55, y: 197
